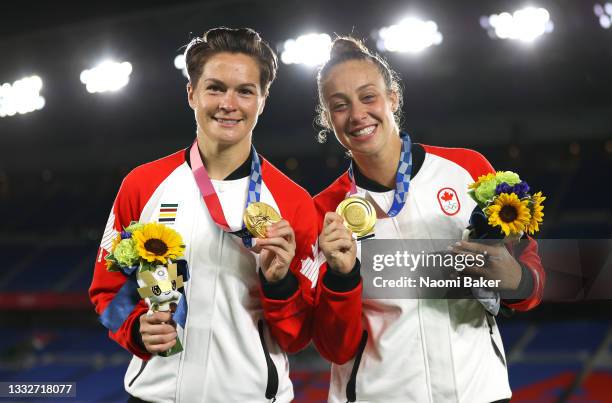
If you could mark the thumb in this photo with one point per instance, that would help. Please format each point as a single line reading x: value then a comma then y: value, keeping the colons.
x: 329, y: 217
x: 256, y: 248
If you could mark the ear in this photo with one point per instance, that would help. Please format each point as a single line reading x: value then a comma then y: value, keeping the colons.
x: 262, y: 104
x: 394, y: 97
x: 190, y: 91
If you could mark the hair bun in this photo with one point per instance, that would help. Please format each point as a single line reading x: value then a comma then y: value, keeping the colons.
x: 347, y: 45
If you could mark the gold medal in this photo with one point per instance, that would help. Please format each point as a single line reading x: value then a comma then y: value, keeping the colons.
x: 258, y: 216
x: 359, y: 215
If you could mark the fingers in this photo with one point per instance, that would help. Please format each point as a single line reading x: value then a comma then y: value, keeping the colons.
x: 279, y: 234
x: 281, y: 229
x: 158, y: 344
x: 334, y: 223
x: 282, y: 255
x: 475, y: 271
x: 277, y: 242
x: 466, y: 246
x: 158, y: 331
x: 491, y: 253
x: 157, y: 318
x: 471, y: 248
x: 256, y: 246
x: 331, y: 217
x: 336, y: 234
x: 341, y: 245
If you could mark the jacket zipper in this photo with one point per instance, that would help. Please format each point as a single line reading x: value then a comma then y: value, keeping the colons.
x: 272, y: 386
x: 142, y: 367
x: 351, y: 386
x: 498, y: 352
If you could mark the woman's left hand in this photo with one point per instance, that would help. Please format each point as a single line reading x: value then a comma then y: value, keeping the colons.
x: 276, y: 250
x: 499, y: 264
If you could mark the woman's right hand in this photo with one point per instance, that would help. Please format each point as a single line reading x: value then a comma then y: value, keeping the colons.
x: 158, y: 331
x: 337, y: 244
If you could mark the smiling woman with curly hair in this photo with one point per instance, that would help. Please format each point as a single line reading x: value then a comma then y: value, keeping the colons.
x: 411, y: 350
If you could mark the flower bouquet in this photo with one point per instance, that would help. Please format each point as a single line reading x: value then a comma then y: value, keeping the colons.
x: 149, y: 251
x: 505, y: 208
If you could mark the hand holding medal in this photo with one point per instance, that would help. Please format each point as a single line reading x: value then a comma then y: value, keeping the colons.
x: 275, y: 239
x: 337, y: 243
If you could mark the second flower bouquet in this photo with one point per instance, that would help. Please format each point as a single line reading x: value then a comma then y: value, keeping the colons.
x: 507, y: 203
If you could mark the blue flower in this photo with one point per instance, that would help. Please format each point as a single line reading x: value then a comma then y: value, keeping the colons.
x: 521, y: 189
x: 126, y: 235
x: 503, y: 188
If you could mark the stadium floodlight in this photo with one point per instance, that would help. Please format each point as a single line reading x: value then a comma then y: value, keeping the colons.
x: 179, y: 63
x: 107, y: 76
x: 310, y: 49
x: 525, y: 25
x: 21, y: 97
x: 411, y: 35
x: 604, y: 14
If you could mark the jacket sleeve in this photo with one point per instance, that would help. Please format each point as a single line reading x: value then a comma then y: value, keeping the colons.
x: 338, y: 325
x: 288, y: 304
x: 526, y: 253
x: 105, y: 285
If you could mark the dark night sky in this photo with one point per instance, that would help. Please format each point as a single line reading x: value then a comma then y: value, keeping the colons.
x: 468, y: 91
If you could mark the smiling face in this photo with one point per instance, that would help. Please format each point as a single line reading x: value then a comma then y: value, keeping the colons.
x: 360, y: 107
x: 228, y: 99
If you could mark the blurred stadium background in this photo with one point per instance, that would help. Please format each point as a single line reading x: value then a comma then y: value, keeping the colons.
x: 540, y: 105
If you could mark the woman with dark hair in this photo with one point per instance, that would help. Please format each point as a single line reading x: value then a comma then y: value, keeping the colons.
x: 235, y: 280
x: 410, y: 350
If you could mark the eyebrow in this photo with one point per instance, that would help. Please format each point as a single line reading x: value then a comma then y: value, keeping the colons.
x: 221, y: 83
x: 341, y: 95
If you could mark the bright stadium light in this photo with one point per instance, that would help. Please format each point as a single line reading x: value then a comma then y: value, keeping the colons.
x: 604, y: 14
x: 179, y: 63
x: 525, y: 25
x: 411, y: 35
x: 107, y: 76
x: 21, y: 97
x: 310, y: 49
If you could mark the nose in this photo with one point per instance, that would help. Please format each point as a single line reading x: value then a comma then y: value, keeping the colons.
x: 358, y: 114
x: 228, y: 102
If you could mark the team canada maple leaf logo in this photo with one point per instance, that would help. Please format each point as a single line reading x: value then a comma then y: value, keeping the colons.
x: 446, y: 196
x: 448, y: 201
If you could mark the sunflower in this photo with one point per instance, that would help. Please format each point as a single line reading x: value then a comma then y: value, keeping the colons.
x: 116, y: 241
x: 509, y: 213
x: 536, y: 213
x: 481, y: 179
x: 156, y: 243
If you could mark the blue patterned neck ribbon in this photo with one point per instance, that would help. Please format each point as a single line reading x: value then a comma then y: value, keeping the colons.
x: 402, y: 178
x: 254, y: 193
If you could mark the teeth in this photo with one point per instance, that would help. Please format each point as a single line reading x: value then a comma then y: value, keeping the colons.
x: 227, y: 121
x: 364, y: 131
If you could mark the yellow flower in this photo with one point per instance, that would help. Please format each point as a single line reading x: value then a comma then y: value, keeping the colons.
x: 509, y: 213
x: 482, y: 178
x: 157, y: 243
x: 116, y: 241
x: 536, y: 213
